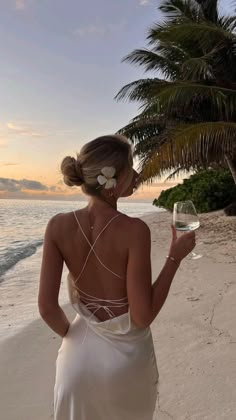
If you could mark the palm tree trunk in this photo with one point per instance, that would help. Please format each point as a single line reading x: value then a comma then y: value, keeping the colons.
x: 232, y: 166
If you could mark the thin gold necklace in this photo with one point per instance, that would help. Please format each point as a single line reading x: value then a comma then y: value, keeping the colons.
x: 114, y: 207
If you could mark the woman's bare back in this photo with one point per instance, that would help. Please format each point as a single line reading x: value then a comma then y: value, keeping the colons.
x: 111, y: 248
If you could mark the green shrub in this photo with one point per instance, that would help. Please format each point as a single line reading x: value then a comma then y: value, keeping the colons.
x: 209, y: 190
x: 230, y: 210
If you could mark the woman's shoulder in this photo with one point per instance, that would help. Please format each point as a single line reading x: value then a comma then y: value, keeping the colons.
x: 133, y: 232
x: 58, y: 220
x: 130, y: 223
x: 135, y: 225
x: 58, y: 217
x: 135, y: 221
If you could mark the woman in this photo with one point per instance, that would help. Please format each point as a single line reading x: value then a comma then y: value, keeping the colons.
x: 106, y: 366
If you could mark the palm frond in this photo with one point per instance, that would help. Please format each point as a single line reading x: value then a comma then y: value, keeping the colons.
x: 139, y: 90
x: 178, y: 98
x: 145, y: 147
x: 228, y: 23
x: 210, y: 141
x: 209, y: 9
x: 192, y: 147
x: 203, y: 36
x: 176, y: 172
x: 176, y: 9
x: 172, y: 52
x: 150, y: 60
x: 198, y: 68
x: 142, y: 128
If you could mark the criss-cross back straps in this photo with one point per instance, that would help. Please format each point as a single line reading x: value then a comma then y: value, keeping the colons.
x: 92, y: 302
x: 92, y: 247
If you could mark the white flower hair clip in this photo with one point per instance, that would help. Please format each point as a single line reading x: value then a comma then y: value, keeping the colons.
x: 106, y: 178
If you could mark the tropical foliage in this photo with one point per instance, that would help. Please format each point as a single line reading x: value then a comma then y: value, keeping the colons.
x: 230, y: 210
x: 208, y: 189
x: 187, y: 118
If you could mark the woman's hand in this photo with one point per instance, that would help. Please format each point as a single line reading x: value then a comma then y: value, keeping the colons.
x: 182, y: 246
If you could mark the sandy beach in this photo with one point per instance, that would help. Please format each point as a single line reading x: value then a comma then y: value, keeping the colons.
x: 194, y: 335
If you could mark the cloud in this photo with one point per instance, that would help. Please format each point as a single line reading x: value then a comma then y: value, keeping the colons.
x: 55, y: 188
x: 32, y: 185
x: 31, y: 189
x: 20, y: 4
x: 10, y: 164
x: 99, y: 28
x: 13, y: 185
x: 144, y: 2
x: 23, y: 131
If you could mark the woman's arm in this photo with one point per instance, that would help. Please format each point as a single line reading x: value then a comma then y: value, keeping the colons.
x: 146, y: 299
x: 50, y: 281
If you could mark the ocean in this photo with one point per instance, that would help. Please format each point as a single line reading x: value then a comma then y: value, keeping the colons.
x: 22, y: 226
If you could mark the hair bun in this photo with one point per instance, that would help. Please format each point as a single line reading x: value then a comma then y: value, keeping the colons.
x: 72, y: 171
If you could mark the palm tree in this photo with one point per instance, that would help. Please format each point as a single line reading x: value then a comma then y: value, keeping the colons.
x: 188, y: 113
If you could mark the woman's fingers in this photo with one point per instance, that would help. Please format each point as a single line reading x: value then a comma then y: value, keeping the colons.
x: 174, y: 233
x: 192, y: 237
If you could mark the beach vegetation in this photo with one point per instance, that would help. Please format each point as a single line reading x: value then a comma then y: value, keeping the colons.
x: 210, y: 190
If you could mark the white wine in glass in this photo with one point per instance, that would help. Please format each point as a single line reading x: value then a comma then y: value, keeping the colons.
x: 185, y: 218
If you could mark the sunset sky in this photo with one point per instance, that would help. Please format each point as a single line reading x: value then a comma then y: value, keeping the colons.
x: 60, y: 68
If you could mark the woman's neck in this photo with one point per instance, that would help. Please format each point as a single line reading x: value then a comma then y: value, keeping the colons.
x: 103, y: 203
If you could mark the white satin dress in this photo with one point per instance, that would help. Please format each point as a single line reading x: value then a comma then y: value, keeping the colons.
x: 105, y: 370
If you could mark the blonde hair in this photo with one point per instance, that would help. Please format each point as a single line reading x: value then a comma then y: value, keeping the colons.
x: 111, y: 150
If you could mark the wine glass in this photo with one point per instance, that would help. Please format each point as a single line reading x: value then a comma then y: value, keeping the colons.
x: 185, y: 218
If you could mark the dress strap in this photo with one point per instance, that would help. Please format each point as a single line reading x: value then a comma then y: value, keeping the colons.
x: 117, y: 215
x: 93, y: 245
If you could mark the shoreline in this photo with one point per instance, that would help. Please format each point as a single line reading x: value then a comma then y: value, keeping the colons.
x: 194, y: 335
